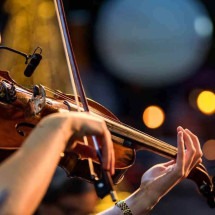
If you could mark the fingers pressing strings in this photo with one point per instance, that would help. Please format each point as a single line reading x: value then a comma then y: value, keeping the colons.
x: 197, y: 146
x: 193, y: 151
x: 180, y: 161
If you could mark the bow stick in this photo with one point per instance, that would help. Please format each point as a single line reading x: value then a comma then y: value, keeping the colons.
x: 102, y: 185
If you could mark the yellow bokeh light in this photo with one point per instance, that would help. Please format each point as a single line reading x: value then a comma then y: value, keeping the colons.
x: 13, y: 6
x: 153, y: 117
x: 31, y: 24
x: 19, y: 22
x: 206, y: 102
x: 46, y: 10
x: 107, y: 202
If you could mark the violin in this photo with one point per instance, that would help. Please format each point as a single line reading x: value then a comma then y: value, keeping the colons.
x: 22, y: 108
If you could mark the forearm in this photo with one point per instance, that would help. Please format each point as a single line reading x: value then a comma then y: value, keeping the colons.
x: 27, y: 174
x: 34, y: 169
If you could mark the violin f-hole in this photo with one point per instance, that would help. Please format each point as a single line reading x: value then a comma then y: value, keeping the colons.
x: 19, y: 128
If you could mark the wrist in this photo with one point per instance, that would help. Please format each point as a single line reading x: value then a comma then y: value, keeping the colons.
x: 56, y: 126
x: 125, y: 210
x: 141, y: 202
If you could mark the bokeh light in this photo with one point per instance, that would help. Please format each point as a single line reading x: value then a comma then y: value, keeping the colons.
x: 206, y: 102
x: 153, y: 42
x: 46, y: 10
x: 106, y: 202
x: 153, y: 117
x: 32, y: 24
x: 209, y: 149
x: 203, y: 26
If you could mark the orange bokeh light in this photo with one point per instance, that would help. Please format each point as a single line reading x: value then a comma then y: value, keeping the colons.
x: 153, y: 117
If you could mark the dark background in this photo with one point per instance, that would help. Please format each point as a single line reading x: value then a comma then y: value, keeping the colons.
x: 128, y: 101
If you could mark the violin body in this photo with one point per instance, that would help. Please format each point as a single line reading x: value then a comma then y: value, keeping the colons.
x: 21, y: 109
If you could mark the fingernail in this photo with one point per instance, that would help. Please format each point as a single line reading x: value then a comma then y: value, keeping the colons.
x: 180, y: 128
x: 180, y: 133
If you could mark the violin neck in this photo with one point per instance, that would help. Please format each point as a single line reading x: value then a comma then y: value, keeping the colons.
x: 138, y: 140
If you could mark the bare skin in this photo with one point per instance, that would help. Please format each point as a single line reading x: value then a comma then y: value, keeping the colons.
x: 161, y: 178
x: 26, y: 175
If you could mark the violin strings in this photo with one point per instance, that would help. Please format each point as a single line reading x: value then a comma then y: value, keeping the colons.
x: 156, y: 141
x: 57, y: 93
x: 18, y: 89
x: 123, y: 126
x: 147, y: 135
